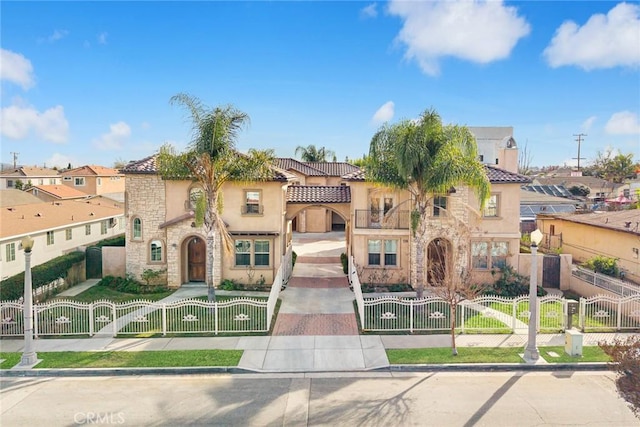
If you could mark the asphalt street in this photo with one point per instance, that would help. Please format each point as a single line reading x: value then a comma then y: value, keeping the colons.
x: 347, y: 399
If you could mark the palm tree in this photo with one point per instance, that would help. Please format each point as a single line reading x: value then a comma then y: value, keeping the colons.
x: 211, y: 160
x: 427, y: 159
x: 312, y: 154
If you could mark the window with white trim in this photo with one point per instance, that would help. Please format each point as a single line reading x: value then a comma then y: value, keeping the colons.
x: 439, y: 205
x: 243, y: 253
x: 10, y: 249
x: 87, y: 230
x: 488, y: 255
x: 252, y: 204
x: 104, y: 225
x: 50, y: 238
x: 499, y: 253
x: 68, y: 233
x: 79, y: 181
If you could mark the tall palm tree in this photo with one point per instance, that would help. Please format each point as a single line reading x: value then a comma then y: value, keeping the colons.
x: 427, y: 159
x: 311, y: 153
x: 211, y: 160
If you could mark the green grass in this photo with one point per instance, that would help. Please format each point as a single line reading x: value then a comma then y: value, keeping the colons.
x: 96, y: 293
x: 129, y: 359
x: 443, y: 355
x: 589, y: 354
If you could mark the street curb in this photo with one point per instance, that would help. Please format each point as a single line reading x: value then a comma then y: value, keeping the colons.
x: 466, y: 367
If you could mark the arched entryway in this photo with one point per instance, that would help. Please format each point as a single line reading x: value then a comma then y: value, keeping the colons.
x: 438, y: 261
x: 196, y: 259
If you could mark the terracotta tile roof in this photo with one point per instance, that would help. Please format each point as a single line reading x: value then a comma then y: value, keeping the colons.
x: 318, y: 194
x: 615, y: 220
x: 24, y: 219
x: 60, y: 191
x: 298, y: 166
x: 501, y: 176
x: 91, y: 170
x: 30, y: 171
x: 13, y: 197
x: 333, y: 168
x: 495, y: 175
x: 148, y: 166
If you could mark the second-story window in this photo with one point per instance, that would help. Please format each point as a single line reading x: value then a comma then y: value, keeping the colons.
x: 439, y: 206
x: 137, y: 228
x: 252, y: 204
x: 491, y: 208
x: 79, y: 181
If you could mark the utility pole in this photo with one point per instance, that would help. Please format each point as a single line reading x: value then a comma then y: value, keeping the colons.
x: 15, y: 158
x: 579, y: 138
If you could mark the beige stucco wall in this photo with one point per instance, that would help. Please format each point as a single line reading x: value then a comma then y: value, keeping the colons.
x: 585, y: 241
x: 114, y: 261
x: 524, y: 268
x: 109, y: 185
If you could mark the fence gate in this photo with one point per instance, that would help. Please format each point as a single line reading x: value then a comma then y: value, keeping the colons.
x: 94, y: 262
x: 551, y: 271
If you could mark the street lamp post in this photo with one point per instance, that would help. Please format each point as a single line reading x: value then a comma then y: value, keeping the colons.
x: 29, y: 356
x: 531, y: 354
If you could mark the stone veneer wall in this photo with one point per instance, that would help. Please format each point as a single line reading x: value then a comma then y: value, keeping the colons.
x: 448, y: 228
x: 146, y: 200
x: 177, y: 256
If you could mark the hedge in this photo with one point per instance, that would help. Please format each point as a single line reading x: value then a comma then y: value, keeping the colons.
x: 112, y: 241
x: 13, y: 287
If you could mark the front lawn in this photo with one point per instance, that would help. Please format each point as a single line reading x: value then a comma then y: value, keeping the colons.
x: 97, y: 293
x: 589, y: 354
x: 129, y: 359
x: 443, y: 355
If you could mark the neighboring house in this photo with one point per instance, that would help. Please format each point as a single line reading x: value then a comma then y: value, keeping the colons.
x: 57, y: 228
x: 496, y: 146
x: 162, y: 234
x: 317, y: 219
x: 31, y: 175
x: 95, y: 180
x: 584, y: 236
x: 16, y: 198
x: 536, y: 200
x: 599, y: 189
x: 51, y: 193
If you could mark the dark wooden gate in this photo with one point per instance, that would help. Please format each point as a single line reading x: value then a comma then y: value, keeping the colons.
x: 551, y: 271
x: 94, y: 262
x: 197, y: 260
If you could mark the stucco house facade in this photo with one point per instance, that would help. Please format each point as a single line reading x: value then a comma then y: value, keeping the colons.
x: 94, y: 180
x: 32, y: 175
x: 305, y: 197
x: 613, y: 234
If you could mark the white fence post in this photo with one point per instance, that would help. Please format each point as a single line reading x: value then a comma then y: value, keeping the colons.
x: 114, y: 319
x: 581, y: 313
x: 164, y: 319
x: 91, y: 319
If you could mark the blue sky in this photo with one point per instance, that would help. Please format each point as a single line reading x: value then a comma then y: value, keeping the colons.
x: 89, y: 83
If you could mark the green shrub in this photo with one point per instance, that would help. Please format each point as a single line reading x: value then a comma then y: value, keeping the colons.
x: 604, y: 265
x: 112, y: 241
x: 229, y: 285
x: 129, y: 285
x: 43, y: 274
x: 294, y: 255
x: 400, y: 287
x: 511, y: 284
x: 345, y: 263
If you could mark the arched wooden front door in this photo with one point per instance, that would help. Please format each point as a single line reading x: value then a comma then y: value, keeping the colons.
x: 197, y: 252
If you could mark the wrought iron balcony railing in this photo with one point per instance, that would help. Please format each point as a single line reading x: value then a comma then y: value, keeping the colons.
x: 396, y: 220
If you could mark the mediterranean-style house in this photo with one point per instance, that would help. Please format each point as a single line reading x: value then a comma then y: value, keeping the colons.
x: 310, y: 197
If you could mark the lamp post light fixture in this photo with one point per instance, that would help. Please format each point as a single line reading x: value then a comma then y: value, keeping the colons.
x: 531, y: 354
x: 29, y: 356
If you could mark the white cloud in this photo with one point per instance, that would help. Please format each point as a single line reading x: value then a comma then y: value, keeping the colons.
x: 370, y: 11
x: 61, y: 161
x: 113, y: 140
x: 55, y: 36
x: 19, y: 121
x: 15, y: 68
x: 384, y: 113
x: 605, y: 41
x: 586, y: 125
x: 478, y: 31
x: 102, y: 38
x: 623, y: 123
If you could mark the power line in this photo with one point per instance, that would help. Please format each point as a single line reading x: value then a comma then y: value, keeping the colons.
x: 579, y: 141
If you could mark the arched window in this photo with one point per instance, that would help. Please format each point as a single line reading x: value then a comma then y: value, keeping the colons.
x: 137, y: 229
x: 156, y: 251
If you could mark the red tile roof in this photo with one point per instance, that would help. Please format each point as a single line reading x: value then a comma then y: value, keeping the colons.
x: 333, y: 168
x: 318, y: 194
x: 495, y: 175
x: 301, y: 167
x: 91, y: 170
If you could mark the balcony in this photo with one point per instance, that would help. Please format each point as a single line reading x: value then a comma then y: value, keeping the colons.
x: 398, y: 220
x: 251, y: 209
